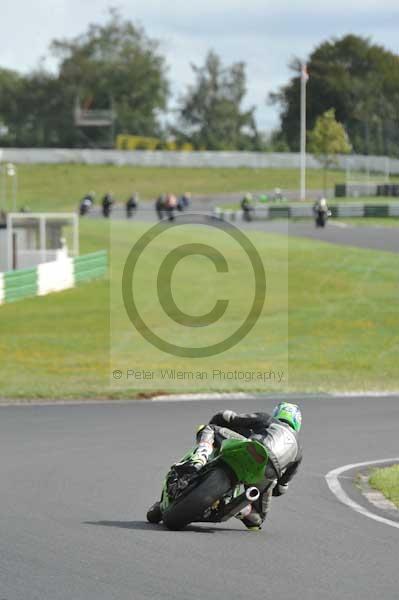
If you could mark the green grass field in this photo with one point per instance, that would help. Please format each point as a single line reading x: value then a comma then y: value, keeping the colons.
x: 386, y: 480
x: 338, y: 323
x: 60, y: 187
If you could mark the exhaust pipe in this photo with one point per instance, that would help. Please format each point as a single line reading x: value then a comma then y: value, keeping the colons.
x: 240, y: 503
x: 252, y: 494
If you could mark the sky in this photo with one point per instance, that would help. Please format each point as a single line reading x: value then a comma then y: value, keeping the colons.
x: 265, y: 34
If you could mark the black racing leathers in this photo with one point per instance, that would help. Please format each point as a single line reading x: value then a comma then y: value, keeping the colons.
x: 281, y: 441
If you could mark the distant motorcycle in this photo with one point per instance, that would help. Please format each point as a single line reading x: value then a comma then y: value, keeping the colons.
x: 321, y: 212
x: 107, y: 205
x: 85, y: 205
x: 322, y: 217
x: 247, y: 207
x: 131, y: 206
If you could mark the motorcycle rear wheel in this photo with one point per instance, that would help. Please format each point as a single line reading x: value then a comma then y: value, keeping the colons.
x: 192, y: 506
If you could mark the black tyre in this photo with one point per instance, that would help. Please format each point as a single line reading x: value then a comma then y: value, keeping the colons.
x: 192, y: 506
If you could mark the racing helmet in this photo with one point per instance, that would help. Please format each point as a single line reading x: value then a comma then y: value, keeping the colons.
x: 288, y: 413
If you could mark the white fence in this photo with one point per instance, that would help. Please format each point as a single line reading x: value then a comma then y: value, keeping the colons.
x: 158, y: 158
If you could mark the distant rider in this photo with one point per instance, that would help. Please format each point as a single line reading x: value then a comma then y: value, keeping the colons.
x: 86, y: 203
x: 277, y: 432
x: 183, y: 201
x: 131, y: 205
x: 107, y: 203
x: 247, y: 207
x: 321, y: 212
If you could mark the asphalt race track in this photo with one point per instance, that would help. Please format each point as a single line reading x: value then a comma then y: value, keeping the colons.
x: 377, y: 238
x: 76, y: 482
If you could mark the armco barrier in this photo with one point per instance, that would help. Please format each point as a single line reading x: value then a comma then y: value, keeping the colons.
x: 343, y: 210
x: 20, y: 284
x: 90, y: 266
x: 50, y: 277
x: 1, y: 288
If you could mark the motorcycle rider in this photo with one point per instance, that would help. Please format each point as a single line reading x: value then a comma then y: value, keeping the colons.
x: 107, y: 203
x: 277, y: 432
x: 320, y: 211
x: 247, y: 206
x: 131, y: 205
x: 86, y: 203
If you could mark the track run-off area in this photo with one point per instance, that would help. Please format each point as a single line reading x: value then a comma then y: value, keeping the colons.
x: 77, y: 480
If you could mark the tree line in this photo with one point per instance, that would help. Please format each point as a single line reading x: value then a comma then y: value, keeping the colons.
x: 117, y: 67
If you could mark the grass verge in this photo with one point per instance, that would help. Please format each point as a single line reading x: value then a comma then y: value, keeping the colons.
x: 61, y: 186
x: 386, y: 480
x: 341, y: 311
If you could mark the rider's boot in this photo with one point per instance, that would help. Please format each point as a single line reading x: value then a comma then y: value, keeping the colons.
x: 201, y: 454
x: 154, y: 513
x: 250, y: 518
x: 253, y: 515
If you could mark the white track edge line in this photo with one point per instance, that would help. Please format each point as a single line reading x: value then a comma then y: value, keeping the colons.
x: 340, y: 224
x: 203, y: 396
x: 336, y: 488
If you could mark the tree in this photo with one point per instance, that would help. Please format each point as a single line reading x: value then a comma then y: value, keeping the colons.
x: 211, y: 114
x: 328, y: 139
x: 357, y: 78
x: 10, y: 87
x: 117, y: 62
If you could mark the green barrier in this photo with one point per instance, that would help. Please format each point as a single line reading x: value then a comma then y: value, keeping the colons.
x: 20, y: 277
x: 20, y: 284
x: 90, y: 266
x: 92, y: 274
x: 87, y: 261
x: 25, y: 291
x: 334, y: 210
x: 23, y: 283
x: 279, y: 212
x: 340, y: 190
x: 100, y: 254
x: 373, y: 210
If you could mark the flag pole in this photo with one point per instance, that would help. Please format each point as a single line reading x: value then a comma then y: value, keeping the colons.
x: 304, y: 78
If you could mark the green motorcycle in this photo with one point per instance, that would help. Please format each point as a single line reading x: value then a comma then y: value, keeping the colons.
x: 219, y: 491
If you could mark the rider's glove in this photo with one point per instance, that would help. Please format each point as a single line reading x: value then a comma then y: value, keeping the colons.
x: 228, y: 415
x: 280, y: 489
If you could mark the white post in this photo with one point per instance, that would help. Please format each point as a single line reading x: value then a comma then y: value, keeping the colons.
x: 304, y: 79
x: 42, y: 231
x: 75, y: 235
x: 9, y: 243
x: 387, y: 170
x: 3, y: 187
x: 15, y: 188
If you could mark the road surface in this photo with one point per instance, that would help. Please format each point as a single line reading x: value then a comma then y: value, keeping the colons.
x: 76, y: 482
x: 377, y: 238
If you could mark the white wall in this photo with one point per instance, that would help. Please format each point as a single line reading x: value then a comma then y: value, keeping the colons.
x: 255, y: 160
x: 3, y: 250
